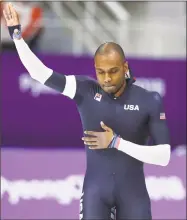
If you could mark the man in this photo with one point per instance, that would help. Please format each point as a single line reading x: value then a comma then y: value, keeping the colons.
x: 117, y: 118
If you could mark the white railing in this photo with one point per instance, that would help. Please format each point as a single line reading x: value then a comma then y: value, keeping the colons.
x: 163, y: 38
x: 140, y: 38
x: 146, y: 39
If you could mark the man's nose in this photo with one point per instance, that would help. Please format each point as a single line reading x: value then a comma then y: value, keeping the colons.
x: 107, y: 78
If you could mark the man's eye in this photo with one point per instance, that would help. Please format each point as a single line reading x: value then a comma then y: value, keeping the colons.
x: 114, y: 71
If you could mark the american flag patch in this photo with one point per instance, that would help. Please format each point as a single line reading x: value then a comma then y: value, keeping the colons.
x: 162, y: 116
x: 98, y: 97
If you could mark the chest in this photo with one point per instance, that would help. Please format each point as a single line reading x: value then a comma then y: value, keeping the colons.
x: 124, y: 116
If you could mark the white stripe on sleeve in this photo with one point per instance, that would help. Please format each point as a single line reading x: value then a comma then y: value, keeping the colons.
x: 70, y: 87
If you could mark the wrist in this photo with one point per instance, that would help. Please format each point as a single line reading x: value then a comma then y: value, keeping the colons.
x: 15, y: 32
x: 115, y: 141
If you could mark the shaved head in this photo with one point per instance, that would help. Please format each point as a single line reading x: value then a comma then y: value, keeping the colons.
x: 110, y: 47
x: 111, y: 67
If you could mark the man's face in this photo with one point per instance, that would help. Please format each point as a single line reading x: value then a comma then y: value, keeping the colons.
x: 110, y: 71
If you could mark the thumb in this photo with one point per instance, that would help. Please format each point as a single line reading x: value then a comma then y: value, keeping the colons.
x: 105, y: 127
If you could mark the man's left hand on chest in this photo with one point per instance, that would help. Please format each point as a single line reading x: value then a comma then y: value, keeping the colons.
x: 99, y: 140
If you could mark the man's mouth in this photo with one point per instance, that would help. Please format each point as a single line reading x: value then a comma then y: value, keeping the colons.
x: 108, y: 86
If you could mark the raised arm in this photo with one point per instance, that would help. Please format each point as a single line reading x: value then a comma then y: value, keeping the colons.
x: 66, y: 85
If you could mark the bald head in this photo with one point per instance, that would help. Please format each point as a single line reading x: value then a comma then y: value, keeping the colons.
x: 110, y: 66
x: 110, y: 47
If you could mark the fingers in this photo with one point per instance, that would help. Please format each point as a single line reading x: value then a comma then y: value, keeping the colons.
x: 93, y: 148
x: 96, y: 148
x: 7, y: 13
x: 91, y: 145
x: 90, y: 142
x: 10, y: 13
x: 105, y: 127
x: 13, y: 11
x: 93, y: 133
x: 89, y: 138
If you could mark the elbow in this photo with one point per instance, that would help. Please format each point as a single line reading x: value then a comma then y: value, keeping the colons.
x: 40, y: 74
x: 34, y: 76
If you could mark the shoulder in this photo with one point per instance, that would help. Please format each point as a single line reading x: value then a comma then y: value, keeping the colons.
x: 145, y: 92
x: 85, y: 86
x: 86, y: 80
x: 139, y: 91
x: 150, y: 97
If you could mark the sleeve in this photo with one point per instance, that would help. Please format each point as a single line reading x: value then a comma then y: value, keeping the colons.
x: 74, y: 87
x: 158, y: 128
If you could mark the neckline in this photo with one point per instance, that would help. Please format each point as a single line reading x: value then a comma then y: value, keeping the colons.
x: 123, y: 94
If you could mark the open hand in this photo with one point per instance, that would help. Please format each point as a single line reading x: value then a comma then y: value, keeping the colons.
x: 10, y: 14
x: 101, y: 140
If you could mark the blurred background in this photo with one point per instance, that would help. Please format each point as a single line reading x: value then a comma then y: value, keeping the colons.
x: 43, y: 158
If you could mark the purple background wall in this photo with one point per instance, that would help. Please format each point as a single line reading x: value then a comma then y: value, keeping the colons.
x: 34, y: 116
x: 31, y: 117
